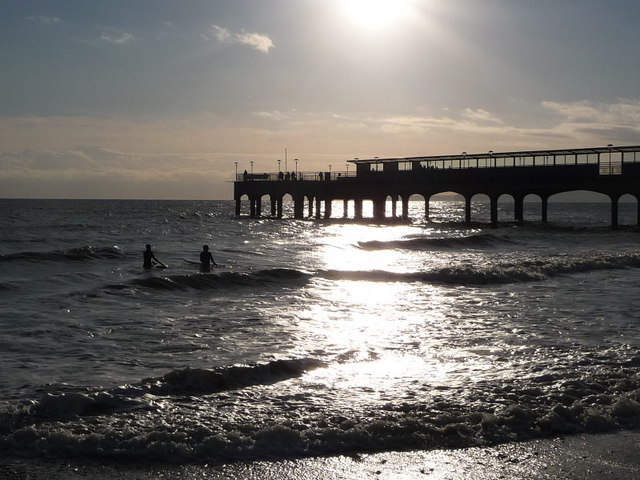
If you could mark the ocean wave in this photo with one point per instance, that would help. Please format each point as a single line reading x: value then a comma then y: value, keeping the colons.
x: 67, y: 405
x: 203, y: 381
x: 499, y: 273
x: 180, y: 427
x: 75, y: 254
x: 472, y: 241
x: 221, y: 280
x: 504, y: 272
x: 5, y: 287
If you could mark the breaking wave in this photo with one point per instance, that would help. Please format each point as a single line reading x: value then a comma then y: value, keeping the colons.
x: 222, y: 280
x: 203, y: 381
x: 188, y: 381
x: 499, y: 273
x: 75, y: 254
x: 478, y: 241
x: 5, y: 287
x: 197, y: 415
x: 528, y: 270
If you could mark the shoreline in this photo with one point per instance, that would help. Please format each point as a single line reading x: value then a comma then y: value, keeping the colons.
x: 584, y: 456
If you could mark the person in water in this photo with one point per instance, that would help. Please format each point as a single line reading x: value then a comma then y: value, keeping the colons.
x: 148, y: 258
x: 206, y: 259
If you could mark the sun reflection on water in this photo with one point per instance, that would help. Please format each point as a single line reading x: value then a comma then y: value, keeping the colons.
x: 386, y: 338
x: 340, y: 248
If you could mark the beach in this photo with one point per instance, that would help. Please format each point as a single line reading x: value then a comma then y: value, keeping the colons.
x: 586, y: 457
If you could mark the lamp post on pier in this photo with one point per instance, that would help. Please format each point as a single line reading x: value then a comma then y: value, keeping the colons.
x: 236, y: 171
x: 610, y: 169
x: 251, y: 162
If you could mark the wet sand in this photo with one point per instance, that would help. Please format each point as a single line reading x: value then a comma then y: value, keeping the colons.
x: 613, y: 456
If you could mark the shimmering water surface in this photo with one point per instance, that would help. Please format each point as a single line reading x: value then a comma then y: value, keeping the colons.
x: 312, y: 337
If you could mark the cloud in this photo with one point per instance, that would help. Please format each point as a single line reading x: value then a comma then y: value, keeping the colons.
x: 95, y: 172
x: 117, y: 38
x: 221, y: 34
x: 43, y: 19
x: 256, y: 41
x: 198, y: 152
x: 621, y: 112
x: 480, y: 115
x: 617, y: 122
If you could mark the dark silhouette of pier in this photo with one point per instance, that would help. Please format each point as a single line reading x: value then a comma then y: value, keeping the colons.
x: 611, y: 170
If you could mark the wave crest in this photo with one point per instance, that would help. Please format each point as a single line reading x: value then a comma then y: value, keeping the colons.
x: 485, y: 241
x: 87, y: 252
x: 221, y: 280
x: 204, y: 381
x: 501, y: 273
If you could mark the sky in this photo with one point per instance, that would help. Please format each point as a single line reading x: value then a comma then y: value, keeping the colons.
x: 160, y: 98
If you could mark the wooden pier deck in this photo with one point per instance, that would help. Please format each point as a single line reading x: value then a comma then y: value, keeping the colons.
x: 611, y: 170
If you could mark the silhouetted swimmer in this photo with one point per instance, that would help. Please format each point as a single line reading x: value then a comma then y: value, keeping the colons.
x: 148, y: 258
x: 206, y: 259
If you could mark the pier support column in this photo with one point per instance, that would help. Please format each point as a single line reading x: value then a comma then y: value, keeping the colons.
x: 345, y: 208
x: 494, y: 210
x: 518, y: 208
x: 252, y: 207
x: 256, y: 206
x: 467, y: 210
x: 545, y: 208
x: 327, y: 208
x: 394, y: 206
x: 318, y: 208
x: 614, y: 211
x: 310, y: 207
x: 298, y: 208
x: 405, y: 207
x: 427, y: 198
x: 274, y: 205
x: 238, y: 206
x: 379, y: 205
x: 357, y: 207
x: 279, y: 207
x: 637, y: 209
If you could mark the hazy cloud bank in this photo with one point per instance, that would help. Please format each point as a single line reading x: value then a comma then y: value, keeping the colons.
x: 94, y: 172
x: 194, y: 157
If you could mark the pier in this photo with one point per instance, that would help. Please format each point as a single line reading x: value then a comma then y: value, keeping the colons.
x: 611, y: 170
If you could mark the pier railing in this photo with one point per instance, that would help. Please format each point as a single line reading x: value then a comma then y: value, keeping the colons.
x: 609, y: 159
x: 295, y: 176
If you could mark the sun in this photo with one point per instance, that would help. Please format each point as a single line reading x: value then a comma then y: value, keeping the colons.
x: 375, y: 14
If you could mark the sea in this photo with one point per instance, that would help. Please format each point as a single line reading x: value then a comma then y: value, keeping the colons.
x: 311, y: 337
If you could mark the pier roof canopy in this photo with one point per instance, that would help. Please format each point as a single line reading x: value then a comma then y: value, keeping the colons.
x: 512, y: 154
